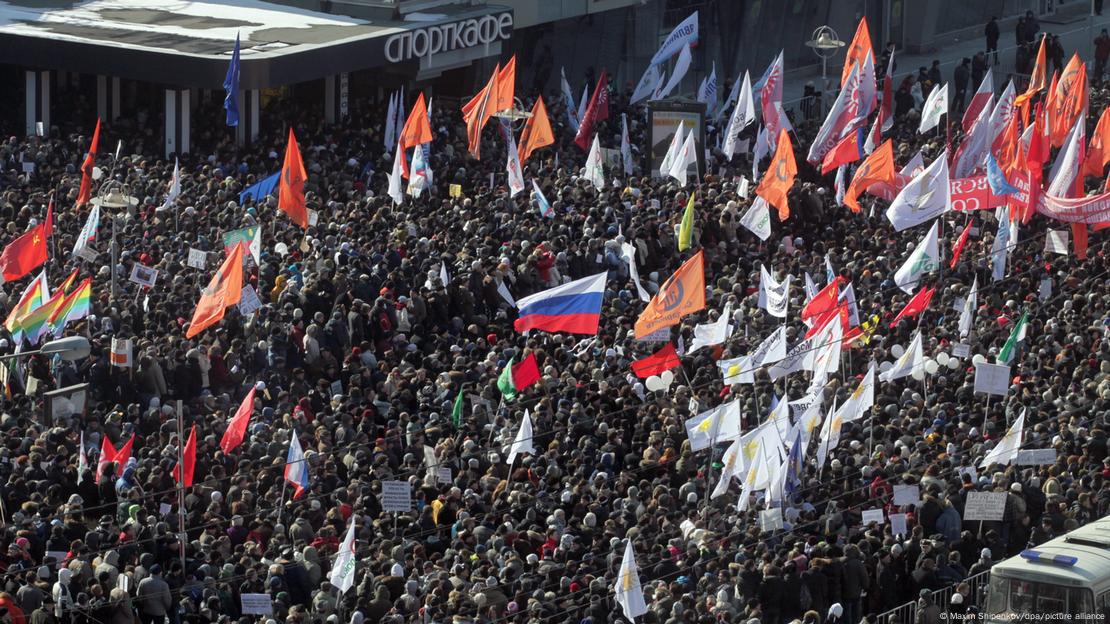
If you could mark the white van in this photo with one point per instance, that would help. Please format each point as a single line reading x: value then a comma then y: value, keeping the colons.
x: 1068, y: 576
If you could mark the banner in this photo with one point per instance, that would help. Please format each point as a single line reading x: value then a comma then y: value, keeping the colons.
x: 968, y: 194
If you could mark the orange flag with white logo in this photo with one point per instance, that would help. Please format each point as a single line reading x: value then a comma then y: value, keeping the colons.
x: 877, y: 167
x: 859, y: 51
x: 477, y: 112
x: 506, y: 87
x: 1068, y: 101
x: 779, y: 178
x: 682, y: 294
x: 537, y: 131
x: 1039, y: 78
x: 224, y: 290
x: 291, y: 184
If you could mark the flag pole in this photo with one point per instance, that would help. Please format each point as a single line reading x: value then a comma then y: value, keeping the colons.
x: 181, y: 489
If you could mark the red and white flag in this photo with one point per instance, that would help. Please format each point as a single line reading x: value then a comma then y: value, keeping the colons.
x: 978, y: 101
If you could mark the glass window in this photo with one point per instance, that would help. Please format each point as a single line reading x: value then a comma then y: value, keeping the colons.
x: 1014, y: 596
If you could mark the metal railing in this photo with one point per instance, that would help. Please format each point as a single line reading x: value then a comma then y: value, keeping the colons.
x: 908, y: 613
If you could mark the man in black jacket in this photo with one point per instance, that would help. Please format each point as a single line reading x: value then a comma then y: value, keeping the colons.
x: 992, y: 33
x: 961, y: 77
x: 855, y: 583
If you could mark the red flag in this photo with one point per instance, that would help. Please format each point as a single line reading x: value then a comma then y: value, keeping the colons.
x: 824, y: 301
x: 225, y: 289
x: 916, y: 305
x: 1038, y: 144
x: 840, y: 311
x: 87, y: 166
x: 526, y: 372
x: 184, y: 473
x: 886, y: 111
x: 291, y: 184
x: 237, y: 426
x: 597, y: 110
x: 107, y: 455
x: 848, y: 150
x: 858, y: 52
x: 878, y: 167
x: 24, y: 254
x: 662, y: 360
x: 1079, y: 235
x: 960, y: 242
x: 978, y: 101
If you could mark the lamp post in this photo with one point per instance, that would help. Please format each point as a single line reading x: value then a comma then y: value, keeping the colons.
x: 825, y: 43
x: 69, y: 349
x: 113, y: 196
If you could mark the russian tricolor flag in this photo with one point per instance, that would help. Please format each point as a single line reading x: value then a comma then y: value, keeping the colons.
x: 296, y: 469
x: 574, y: 308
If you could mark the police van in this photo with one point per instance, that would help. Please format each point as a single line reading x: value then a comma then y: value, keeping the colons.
x: 1067, y: 577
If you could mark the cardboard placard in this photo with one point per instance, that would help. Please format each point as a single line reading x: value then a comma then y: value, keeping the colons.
x: 873, y: 515
x: 396, y: 496
x: 1056, y: 241
x: 770, y: 519
x: 313, y: 217
x: 256, y: 604
x: 1044, y: 290
x: 87, y: 253
x: 455, y: 190
x: 961, y: 349
x: 249, y: 301
x: 907, y: 495
x: 992, y: 378
x: 197, y: 258
x: 58, y: 555
x: 988, y: 506
x: 962, y: 470
x: 898, y: 524
x: 1036, y: 457
x: 443, y: 475
x: 165, y: 509
x: 143, y: 275
x: 336, y: 387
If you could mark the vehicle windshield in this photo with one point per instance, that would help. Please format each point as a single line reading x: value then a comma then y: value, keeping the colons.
x: 1010, y: 597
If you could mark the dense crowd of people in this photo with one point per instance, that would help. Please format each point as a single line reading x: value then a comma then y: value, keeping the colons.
x: 360, y: 348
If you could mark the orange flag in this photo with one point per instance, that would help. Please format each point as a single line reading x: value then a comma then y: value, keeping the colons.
x: 417, y: 130
x: 1068, y: 101
x: 537, y: 131
x: 1007, y: 145
x: 858, y: 51
x: 224, y: 290
x: 682, y: 294
x: 85, y: 192
x: 477, y: 112
x: 1098, y: 150
x: 779, y: 177
x: 291, y: 185
x: 1038, y: 79
x: 506, y: 86
x: 878, y: 167
x: 1079, y: 239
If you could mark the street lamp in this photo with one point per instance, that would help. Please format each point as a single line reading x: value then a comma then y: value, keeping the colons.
x: 115, y: 195
x: 825, y: 43
x: 69, y: 349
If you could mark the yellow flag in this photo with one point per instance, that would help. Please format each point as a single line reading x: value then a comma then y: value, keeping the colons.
x: 686, y: 230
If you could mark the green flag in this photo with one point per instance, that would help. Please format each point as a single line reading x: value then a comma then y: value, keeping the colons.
x: 505, y: 381
x: 456, y: 411
x: 1006, y: 355
x: 686, y: 228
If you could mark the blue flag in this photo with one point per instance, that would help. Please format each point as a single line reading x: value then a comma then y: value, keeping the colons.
x: 795, y: 464
x: 263, y: 188
x: 996, y: 179
x: 231, y: 87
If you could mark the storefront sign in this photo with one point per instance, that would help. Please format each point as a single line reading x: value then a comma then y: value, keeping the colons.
x: 438, y: 38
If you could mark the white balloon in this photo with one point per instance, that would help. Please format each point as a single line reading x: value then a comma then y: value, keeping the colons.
x: 978, y: 359
x: 281, y: 249
x: 654, y: 383
x: 97, y: 173
x: 918, y: 374
x: 931, y: 367
x: 953, y: 363
x: 885, y: 366
x: 667, y: 377
x: 942, y: 358
x: 897, y: 350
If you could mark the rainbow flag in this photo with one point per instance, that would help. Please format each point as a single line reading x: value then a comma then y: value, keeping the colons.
x: 75, y: 306
x: 69, y: 280
x: 35, y: 324
x: 33, y: 296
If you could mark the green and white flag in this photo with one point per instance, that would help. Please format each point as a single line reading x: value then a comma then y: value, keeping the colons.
x: 1017, y: 336
x: 343, y: 572
x: 758, y: 219
x: 505, y: 382
x: 456, y: 409
x: 925, y: 258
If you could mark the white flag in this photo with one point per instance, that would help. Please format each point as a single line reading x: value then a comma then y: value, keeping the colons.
x: 647, y: 83
x: 88, y: 231
x: 773, y: 296
x: 682, y: 36
x: 82, y: 458
x: 732, y: 463
x: 825, y: 347
x: 925, y: 197
x: 1007, y: 448
x: 512, y: 167
x: 757, y: 218
x: 709, y: 334
x: 935, y: 106
x: 628, y: 252
x: 1002, y: 112
x: 792, y: 363
x: 1001, y: 246
x: 686, y: 156
x: 861, y: 400
x: 742, y: 116
x: 523, y: 442
x: 629, y: 594
x: 395, y: 189
x: 758, y: 478
x: 732, y: 94
x: 418, y: 172
x: 707, y: 94
x: 255, y: 246
x: 719, y: 424
x: 390, y: 128
x: 925, y: 258
x: 568, y: 101
x: 175, y: 187
x: 771, y: 350
x: 967, y: 315
x: 1066, y: 166
x: 342, y: 575
x: 626, y: 147
x: 443, y: 276
x: 594, y: 171
x: 810, y: 418
x: 976, y: 145
x: 583, y: 102
x: 915, y: 166
x: 830, y: 436
x: 681, y: 66
x: 911, y: 360
x: 737, y: 371
x: 673, y: 149
x: 845, y: 115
